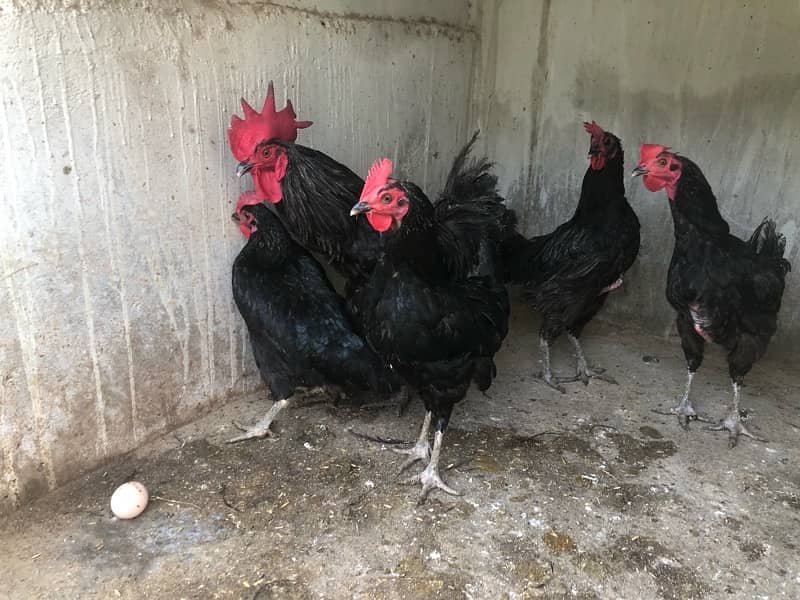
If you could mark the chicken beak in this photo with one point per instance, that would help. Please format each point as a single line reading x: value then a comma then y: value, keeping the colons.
x: 235, y: 217
x: 359, y: 208
x: 640, y: 170
x: 243, y: 167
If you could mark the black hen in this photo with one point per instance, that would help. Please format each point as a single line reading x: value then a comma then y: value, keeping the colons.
x: 724, y: 290
x: 300, y: 331
x: 568, y: 273
x: 433, y: 307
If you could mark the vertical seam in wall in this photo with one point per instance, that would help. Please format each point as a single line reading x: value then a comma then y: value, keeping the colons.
x: 88, y: 307
x: 539, y: 77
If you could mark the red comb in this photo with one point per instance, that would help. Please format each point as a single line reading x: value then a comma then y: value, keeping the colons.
x: 377, y: 177
x: 247, y: 199
x: 245, y: 134
x: 648, y: 152
x: 245, y: 221
x: 594, y: 130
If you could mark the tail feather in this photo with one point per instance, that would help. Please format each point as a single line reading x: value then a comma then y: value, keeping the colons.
x: 473, y: 213
x: 770, y: 245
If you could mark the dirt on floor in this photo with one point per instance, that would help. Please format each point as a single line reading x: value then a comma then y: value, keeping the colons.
x: 586, y: 495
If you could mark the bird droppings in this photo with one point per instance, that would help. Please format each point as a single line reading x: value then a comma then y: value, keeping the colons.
x: 677, y: 516
x: 650, y: 432
x: 558, y: 542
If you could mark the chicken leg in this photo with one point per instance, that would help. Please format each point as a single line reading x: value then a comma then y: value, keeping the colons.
x: 733, y: 423
x: 684, y: 410
x: 422, y: 449
x: 584, y: 372
x: 261, y: 428
x: 546, y: 376
x: 429, y: 478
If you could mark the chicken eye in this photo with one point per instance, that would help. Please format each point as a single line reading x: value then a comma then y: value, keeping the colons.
x: 386, y: 198
x: 662, y: 162
x: 266, y: 152
x: 401, y: 202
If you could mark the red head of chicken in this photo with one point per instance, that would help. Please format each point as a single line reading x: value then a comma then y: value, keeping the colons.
x: 252, y: 142
x: 246, y: 220
x: 603, y: 146
x: 659, y: 168
x: 383, y: 199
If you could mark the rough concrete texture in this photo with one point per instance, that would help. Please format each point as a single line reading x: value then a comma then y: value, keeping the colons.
x: 718, y: 81
x: 588, y: 495
x: 117, y: 319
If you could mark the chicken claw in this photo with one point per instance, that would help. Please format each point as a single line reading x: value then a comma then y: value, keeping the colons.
x: 547, y: 379
x: 583, y: 372
x: 734, y: 426
x: 261, y: 428
x: 419, y: 451
x: 430, y: 480
x: 733, y: 422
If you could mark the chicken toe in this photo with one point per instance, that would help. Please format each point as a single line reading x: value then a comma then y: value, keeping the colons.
x: 419, y: 451
x: 583, y: 372
x: 733, y: 423
x: 734, y: 426
x: 262, y: 428
x: 430, y: 478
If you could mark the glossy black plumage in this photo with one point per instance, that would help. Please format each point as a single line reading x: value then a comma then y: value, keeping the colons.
x: 434, y: 307
x: 565, y: 271
x: 318, y: 193
x: 729, y: 288
x: 300, y: 331
x: 568, y: 273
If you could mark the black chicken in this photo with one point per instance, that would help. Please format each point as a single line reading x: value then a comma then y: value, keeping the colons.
x: 434, y: 307
x: 311, y: 192
x: 724, y: 290
x: 300, y: 332
x: 568, y: 273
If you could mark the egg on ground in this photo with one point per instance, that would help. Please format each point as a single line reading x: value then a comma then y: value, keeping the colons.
x: 129, y: 500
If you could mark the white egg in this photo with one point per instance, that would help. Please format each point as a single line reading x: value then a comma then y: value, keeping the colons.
x: 129, y: 500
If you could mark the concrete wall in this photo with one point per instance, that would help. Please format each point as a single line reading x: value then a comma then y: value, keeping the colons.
x: 718, y: 81
x: 117, y: 321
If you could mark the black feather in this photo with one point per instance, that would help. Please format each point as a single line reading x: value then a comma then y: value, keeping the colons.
x: 300, y: 331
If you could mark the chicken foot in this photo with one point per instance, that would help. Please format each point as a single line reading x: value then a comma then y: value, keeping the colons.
x: 261, y: 428
x: 430, y: 478
x: 546, y: 375
x: 684, y: 410
x: 422, y: 449
x: 733, y: 423
x: 583, y: 371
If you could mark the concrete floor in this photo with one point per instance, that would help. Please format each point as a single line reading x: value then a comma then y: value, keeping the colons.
x: 586, y: 495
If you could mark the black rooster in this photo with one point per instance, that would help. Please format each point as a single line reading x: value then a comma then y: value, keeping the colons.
x: 568, y: 273
x: 433, y: 307
x: 724, y: 290
x: 300, y: 332
x: 311, y: 192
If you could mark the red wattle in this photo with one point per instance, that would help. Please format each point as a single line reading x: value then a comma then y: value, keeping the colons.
x: 653, y: 184
x: 598, y: 161
x: 268, y: 186
x: 379, y: 222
